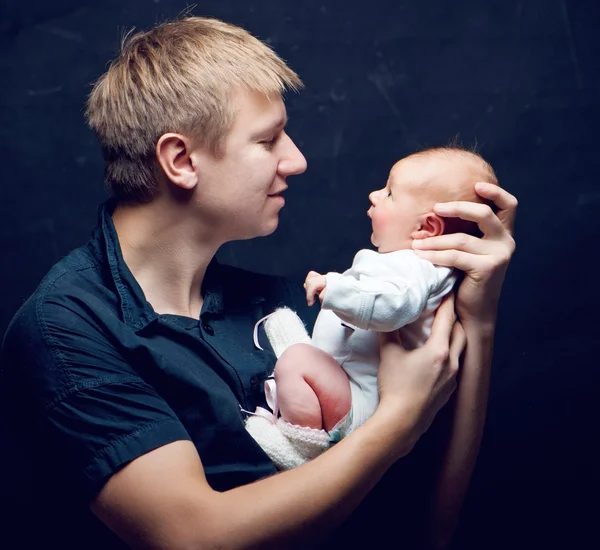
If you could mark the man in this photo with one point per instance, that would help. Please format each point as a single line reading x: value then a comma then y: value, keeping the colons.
x: 126, y: 370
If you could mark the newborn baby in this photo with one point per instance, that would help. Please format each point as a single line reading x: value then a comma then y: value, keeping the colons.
x: 327, y: 387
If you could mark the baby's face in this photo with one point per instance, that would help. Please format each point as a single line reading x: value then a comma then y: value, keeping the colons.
x: 403, y: 210
x: 397, y: 210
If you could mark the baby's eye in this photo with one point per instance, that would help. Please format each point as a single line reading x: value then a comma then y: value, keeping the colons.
x: 388, y: 193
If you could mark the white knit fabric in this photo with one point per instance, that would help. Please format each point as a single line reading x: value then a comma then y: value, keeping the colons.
x: 284, y: 328
x: 287, y: 445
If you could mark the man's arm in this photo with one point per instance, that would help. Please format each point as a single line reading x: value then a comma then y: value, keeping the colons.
x: 162, y: 500
x: 484, y: 261
x: 469, y: 405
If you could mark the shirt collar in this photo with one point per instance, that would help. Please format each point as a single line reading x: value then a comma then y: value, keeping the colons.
x: 221, y: 288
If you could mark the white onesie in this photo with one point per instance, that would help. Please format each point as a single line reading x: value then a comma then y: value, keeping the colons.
x: 379, y: 293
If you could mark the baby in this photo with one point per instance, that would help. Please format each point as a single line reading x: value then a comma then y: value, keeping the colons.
x: 327, y: 387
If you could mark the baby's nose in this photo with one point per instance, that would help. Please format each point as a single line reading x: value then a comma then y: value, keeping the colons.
x: 373, y: 197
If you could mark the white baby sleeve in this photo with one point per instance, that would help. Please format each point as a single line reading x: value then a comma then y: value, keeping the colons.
x: 381, y: 292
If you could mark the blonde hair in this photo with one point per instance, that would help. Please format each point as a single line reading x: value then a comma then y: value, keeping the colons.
x: 176, y: 77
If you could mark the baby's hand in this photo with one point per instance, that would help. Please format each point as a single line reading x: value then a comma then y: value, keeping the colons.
x: 315, y: 284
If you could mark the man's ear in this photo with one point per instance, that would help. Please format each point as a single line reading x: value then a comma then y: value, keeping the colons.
x: 431, y: 225
x: 173, y: 152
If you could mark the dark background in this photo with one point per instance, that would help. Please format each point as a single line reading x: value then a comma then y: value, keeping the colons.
x: 383, y: 78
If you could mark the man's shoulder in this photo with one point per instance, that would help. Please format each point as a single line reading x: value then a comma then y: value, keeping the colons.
x: 67, y: 283
x: 32, y: 359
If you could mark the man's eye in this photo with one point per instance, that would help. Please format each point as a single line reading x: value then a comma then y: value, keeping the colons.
x: 269, y: 144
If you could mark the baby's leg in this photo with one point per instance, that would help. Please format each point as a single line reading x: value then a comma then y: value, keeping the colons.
x: 312, y: 388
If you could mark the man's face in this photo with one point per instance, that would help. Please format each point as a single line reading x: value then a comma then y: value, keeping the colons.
x: 396, y: 210
x: 240, y: 193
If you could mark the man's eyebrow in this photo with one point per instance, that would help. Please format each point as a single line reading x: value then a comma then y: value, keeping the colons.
x: 278, y: 124
x: 281, y: 123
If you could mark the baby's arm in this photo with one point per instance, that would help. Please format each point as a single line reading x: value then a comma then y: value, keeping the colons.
x: 381, y: 292
x: 312, y: 388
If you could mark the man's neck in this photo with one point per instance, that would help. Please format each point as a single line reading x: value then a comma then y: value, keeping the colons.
x: 167, y: 256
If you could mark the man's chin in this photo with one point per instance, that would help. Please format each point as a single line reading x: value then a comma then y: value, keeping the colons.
x: 264, y: 231
x: 269, y: 228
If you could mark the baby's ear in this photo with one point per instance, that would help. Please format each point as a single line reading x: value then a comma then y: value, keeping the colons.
x: 431, y: 225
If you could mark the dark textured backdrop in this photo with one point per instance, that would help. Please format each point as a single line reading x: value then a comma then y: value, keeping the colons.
x: 382, y: 79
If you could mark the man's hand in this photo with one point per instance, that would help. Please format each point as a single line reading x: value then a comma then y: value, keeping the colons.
x: 421, y: 380
x: 314, y: 285
x: 484, y: 260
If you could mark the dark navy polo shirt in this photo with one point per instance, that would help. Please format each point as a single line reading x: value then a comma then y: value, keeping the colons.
x: 93, y: 377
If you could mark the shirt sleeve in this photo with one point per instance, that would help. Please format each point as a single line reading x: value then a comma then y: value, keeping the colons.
x: 381, y: 292
x: 77, y: 397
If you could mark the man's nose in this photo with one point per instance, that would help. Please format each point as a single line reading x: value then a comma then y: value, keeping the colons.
x: 292, y: 160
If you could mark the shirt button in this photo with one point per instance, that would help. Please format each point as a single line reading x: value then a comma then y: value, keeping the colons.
x: 208, y: 329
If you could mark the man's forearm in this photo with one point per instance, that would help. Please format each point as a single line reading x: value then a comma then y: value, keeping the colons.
x: 163, y: 501
x: 302, y: 512
x: 464, y: 439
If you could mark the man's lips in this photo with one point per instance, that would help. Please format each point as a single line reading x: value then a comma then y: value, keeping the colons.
x: 277, y: 193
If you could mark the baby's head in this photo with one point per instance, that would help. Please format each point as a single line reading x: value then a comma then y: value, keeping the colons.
x: 403, y: 209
